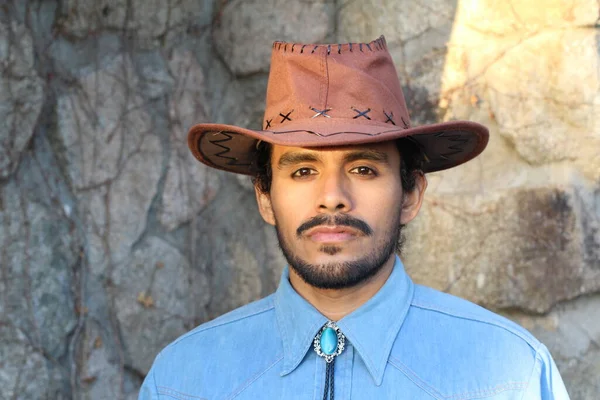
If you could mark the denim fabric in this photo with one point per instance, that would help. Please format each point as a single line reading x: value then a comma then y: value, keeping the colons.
x: 406, y: 342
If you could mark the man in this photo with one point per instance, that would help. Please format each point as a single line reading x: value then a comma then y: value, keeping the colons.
x: 338, y: 170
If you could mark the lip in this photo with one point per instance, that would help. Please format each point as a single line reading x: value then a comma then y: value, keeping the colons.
x: 332, y: 234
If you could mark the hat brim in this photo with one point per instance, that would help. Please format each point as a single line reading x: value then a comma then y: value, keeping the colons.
x: 231, y: 148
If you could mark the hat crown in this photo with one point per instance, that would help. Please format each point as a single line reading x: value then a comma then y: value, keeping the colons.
x: 328, y: 95
x: 352, y: 81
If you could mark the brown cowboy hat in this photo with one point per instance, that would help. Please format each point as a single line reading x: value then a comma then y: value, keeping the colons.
x: 322, y: 95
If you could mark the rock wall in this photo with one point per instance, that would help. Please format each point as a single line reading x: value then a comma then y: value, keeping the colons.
x: 113, y: 241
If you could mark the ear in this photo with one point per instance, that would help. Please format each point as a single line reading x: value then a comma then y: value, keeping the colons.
x: 411, y: 201
x: 264, y: 206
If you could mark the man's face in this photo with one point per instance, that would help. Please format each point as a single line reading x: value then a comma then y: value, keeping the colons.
x: 337, y: 211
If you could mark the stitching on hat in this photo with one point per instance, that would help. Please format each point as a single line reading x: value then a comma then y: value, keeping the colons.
x: 361, y: 113
x: 334, y: 133
x: 378, y: 44
x: 404, y: 123
x: 221, y: 154
x: 458, y: 147
x: 322, y: 113
x: 286, y: 116
x: 390, y: 117
x: 268, y: 121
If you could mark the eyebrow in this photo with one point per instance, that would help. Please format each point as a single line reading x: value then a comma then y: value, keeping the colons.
x: 297, y: 157
x: 370, y: 155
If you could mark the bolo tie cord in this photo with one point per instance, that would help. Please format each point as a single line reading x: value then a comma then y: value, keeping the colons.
x: 329, y: 374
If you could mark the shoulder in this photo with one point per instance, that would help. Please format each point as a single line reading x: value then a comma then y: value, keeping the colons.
x: 235, y: 327
x: 234, y: 346
x: 248, y: 318
x: 463, y: 314
x: 458, y: 348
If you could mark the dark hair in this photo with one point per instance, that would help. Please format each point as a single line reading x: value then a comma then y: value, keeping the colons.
x: 411, y: 164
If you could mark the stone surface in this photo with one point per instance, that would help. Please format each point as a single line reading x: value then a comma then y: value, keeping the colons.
x: 102, y: 373
x: 244, y: 40
x: 111, y: 154
x: 189, y: 184
x: 149, y: 21
x: 21, y: 94
x: 245, y: 267
x: 38, y: 254
x: 159, y: 297
x: 522, y: 249
x: 543, y: 106
x: 24, y: 372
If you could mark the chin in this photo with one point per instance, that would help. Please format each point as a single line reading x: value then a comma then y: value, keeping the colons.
x: 328, y: 254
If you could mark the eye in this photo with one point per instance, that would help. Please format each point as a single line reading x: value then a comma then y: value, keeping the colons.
x: 362, y: 170
x: 302, y: 172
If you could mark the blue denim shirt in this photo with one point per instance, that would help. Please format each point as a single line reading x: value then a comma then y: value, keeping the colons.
x: 406, y: 342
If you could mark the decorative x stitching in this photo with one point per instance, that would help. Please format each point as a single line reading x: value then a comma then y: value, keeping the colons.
x: 361, y: 113
x: 390, y: 117
x: 268, y: 121
x: 405, y: 125
x: 286, y: 116
x: 322, y: 113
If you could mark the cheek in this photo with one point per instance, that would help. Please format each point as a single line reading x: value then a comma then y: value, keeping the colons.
x: 381, y: 205
x: 289, y: 207
x: 384, y: 194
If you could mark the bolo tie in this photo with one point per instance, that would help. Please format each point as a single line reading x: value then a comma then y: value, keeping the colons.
x: 329, y: 343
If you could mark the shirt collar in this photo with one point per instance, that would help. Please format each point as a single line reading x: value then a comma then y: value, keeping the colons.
x: 372, y: 328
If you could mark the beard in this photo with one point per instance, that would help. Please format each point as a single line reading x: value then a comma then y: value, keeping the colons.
x: 347, y: 274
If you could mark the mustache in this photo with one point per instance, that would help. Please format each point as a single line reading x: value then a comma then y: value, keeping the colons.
x: 338, y: 220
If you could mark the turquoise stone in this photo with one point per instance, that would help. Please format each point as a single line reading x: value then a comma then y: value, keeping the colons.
x: 329, y: 341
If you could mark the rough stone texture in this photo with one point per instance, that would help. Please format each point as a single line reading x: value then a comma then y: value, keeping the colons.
x: 38, y: 257
x: 523, y: 249
x: 23, y: 368
x: 21, y: 93
x: 158, y: 298
x: 247, y: 266
x: 186, y: 190
x: 111, y: 155
x: 243, y: 37
x: 551, y: 115
x: 149, y: 21
x: 102, y: 375
x: 113, y: 240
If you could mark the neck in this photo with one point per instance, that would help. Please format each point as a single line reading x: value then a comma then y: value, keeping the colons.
x: 335, y: 304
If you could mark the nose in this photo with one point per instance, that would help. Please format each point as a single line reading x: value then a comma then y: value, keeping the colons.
x: 334, y: 193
